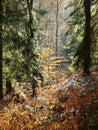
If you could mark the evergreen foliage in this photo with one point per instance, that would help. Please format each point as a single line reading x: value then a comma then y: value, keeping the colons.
x: 1, y: 87
x: 20, y: 58
x: 83, y: 32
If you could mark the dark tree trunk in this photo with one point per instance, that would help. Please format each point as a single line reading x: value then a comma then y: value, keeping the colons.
x: 34, y: 85
x: 1, y: 85
x: 31, y: 30
x: 87, y: 37
x: 8, y: 86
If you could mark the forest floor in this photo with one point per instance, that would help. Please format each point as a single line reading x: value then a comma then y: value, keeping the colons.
x: 67, y: 102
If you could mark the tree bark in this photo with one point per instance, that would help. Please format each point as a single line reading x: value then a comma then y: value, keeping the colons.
x: 87, y: 37
x: 8, y: 86
x: 30, y: 7
x: 1, y: 84
x: 31, y: 31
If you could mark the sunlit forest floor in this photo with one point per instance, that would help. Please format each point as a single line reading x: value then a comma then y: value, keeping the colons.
x: 66, y: 102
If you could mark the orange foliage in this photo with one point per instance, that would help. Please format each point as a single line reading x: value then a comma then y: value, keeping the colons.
x: 62, y: 106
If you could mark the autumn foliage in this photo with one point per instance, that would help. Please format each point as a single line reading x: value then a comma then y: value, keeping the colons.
x: 70, y: 103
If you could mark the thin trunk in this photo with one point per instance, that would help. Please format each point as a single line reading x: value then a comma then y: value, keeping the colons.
x: 8, y: 86
x: 31, y: 29
x: 1, y: 85
x: 57, y: 14
x: 30, y: 6
x: 87, y: 37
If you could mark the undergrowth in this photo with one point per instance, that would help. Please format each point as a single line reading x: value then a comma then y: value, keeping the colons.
x: 70, y: 103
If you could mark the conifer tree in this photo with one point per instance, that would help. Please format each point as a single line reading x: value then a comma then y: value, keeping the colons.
x: 84, y: 52
x: 20, y: 60
x: 82, y: 32
x: 1, y: 87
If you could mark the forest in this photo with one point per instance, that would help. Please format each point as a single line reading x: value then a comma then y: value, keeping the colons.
x: 48, y: 65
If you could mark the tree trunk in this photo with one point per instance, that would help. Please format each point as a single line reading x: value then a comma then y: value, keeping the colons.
x: 31, y: 30
x: 34, y: 85
x: 8, y: 86
x: 57, y: 14
x: 1, y: 85
x: 87, y: 37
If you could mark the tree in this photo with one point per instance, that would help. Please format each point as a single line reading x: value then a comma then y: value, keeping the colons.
x: 11, y: 40
x: 57, y: 14
x: 1, y: 20
x: 19, y: 26
x: 33, y: 57
x: 31, y: 37
x: 82, y: 30
x: 84, y: 52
